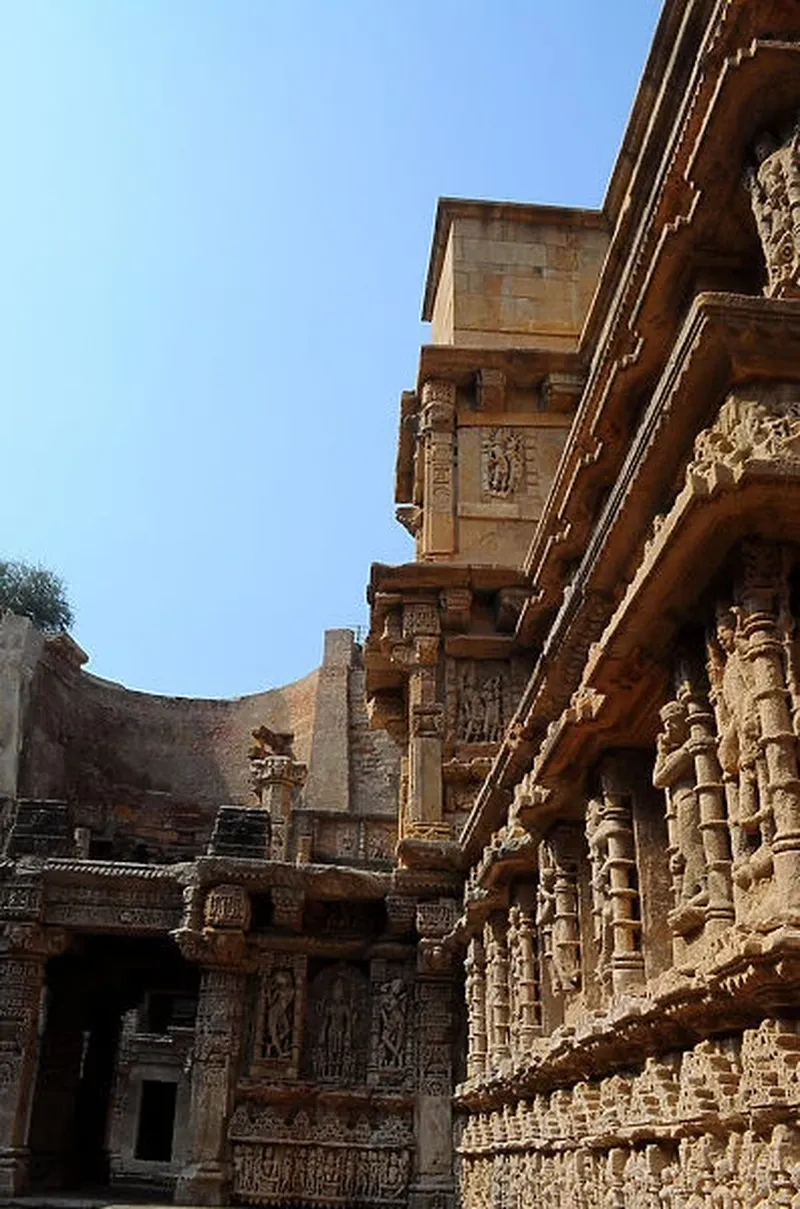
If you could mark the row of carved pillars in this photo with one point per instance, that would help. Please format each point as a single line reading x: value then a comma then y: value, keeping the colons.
x: 502, y: 986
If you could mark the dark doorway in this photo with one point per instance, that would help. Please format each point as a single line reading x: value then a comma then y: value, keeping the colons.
x: 88, y: 990
x: 156, y: 1120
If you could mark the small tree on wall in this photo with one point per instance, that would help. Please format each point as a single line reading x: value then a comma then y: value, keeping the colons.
x: 34, y: 592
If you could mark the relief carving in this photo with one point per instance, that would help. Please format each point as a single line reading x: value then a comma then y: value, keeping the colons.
x: 392, y: 1039
x: 480, y: 704
x: 774, y: 186
x: 503, y: 462
x: 557, y: 914
x: 674, y: 772
x: 338, y: 1016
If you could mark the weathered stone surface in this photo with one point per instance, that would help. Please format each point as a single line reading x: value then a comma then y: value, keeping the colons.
x: 545, y: 917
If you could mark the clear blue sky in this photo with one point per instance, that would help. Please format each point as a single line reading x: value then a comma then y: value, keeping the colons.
x: 216, y: 217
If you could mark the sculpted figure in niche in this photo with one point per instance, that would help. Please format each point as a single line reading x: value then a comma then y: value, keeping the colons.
x: 279, y: 1016
x: 597, y: 840
x: 334, y: 1057
x: 557, y: 921
x: 480, y: 708
x: 392, y: 1025
x: 674, y: 772
x: 503, y: 462
x: 739, y: 750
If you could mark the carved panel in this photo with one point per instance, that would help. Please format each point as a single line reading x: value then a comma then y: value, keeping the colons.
x: 279, y: 1015
x: 503, y: 462
x: 774, y: 184
x: 319, y: 1157
x: 337, y: 1025
x: 115, y: 906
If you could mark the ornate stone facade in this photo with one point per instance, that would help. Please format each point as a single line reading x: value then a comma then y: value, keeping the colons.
x: 502, y: 907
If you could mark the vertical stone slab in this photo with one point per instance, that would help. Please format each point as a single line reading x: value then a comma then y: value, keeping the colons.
x: 22, y: 971
x: 20, y: 647
x: 433, y: 1125
x: 437, y: 425
x: 206, y: 1180
x: 328, y: 784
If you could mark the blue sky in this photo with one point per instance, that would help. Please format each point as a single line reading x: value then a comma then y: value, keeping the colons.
x: 216, y: 219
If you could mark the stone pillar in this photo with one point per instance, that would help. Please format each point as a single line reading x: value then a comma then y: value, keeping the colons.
x: 527, y: 991
x: 278, y: 777
x: 763, y: 649
x: 421, y: 630
x: 475, y: 967
x: 627, y: 960
x: 710, y: 792
x: 433, y: 1186
x: 22, y: 974
x: 497, y: 1006
x: 437, y: 428
x: 218, y: 1033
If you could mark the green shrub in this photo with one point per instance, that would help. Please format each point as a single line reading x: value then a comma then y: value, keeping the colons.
x: 35, y: 592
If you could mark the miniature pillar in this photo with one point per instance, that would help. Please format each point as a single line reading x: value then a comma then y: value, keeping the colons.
x: 711, y: 800
x: 475, y: 966
x: 528, y: 998
x: 764, y: 651
x: 627, y: 961
x: 278, y: 778
x: 497, y: 1013
x: 426, y: 722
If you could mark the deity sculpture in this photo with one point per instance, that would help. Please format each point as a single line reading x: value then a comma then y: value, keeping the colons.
x: 503, y: 462
x: 480, y: 707
x: 740, y: 749
x: 392, y: 1025
x: 279, y: 1016
x: 674, y: 772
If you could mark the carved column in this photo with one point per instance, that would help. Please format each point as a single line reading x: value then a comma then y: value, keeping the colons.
x: 433, y: 1126
x: 22, y: 974
x: 497, y: 1006
x: 437, y: 429
x: 426, y: 722
x: 557, y: 910
x: 528, y: 997
x: 275, y: 779
x: 215, y: 1058
x: 710, y: 795
x: 627, y: 961
x: 475, y: 967
x: 763, y: 649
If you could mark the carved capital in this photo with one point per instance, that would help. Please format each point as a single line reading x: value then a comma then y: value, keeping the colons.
x: 438, y: 411
x: 227, y: 906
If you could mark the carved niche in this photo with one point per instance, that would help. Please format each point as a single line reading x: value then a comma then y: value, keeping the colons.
x: 477, y: 700
x: 557, y: 909
x: 276, y: 1038
x: 337, y: 1024
x: 774, y: 186
x: 391, y: 1045
x: 503, y: 462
